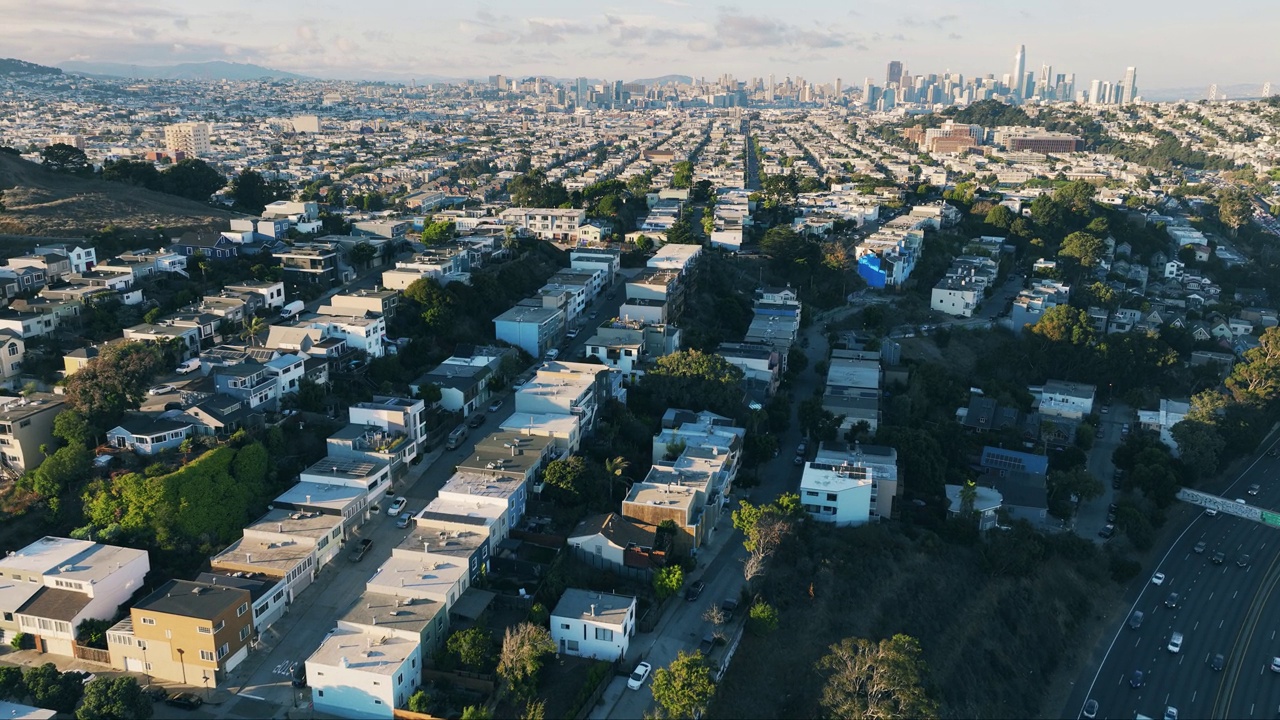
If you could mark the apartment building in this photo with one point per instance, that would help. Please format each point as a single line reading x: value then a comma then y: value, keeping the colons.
x: 26, y: 423
x: 394, y: 415
x: 1030, y: 304
x: 850, y: 485
x: 12, y: 351
x: 191, y: 138
x: 554, y: 224
x: 311, y: 264
x: 186, y: 632
x: 1063, y: 399
x: 361, y: 302
x: 54, y: 584
x: 364, y: 673
x: 532, y: 329
x: 464, y: 377
x: 359, y: 332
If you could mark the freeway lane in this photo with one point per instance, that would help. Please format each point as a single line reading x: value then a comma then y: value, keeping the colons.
x: 1224, y: 608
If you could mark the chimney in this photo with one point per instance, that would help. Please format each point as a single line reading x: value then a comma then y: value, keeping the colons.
x: 308, y: 499
x: 280, y: 527
x: 248, y: 557
x: 593, y: 609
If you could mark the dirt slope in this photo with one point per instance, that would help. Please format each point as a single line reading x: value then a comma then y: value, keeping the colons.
x: 41, y: 203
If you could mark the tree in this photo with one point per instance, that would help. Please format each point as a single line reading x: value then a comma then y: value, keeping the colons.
x: 253, y: 329
x: 58, y: 472
x: 114, y: 698
x: 1062, y: 485
x: 1234, y: 208
x: 441, y: 231
x: 70, y: 427
x: 420, y: 702
x: 362, y: 254
x: 684, y: 688
x: 253, y: 193
x: 139, y: 173
x: 667, y: 581
x: 61, y: 157
x: 762, y: 618
x: 192, y: 179
x: 570, y: 476
x: 12, y: 687
x: 682, y: 174
x: 113, y: 382
x: 1085, y: 248
x: 1200, y: 447
x: 438, y: 305
x: 430, y: 393
x: 876, y: 680
x: 695, y: 380
x: 523, y: 650
x: 1063, y: 324
x: 1256, y: 381
x: 473, y: 647
x: 615, y: 468
x: 54, y: 690
x: 476, y: 712
x: 1000, y: 216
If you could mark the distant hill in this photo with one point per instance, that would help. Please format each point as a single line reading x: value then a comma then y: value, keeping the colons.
x: 42, y: 203
x: 1235, y: 91
x: 13, y: 65
x: 214, y: 70
x: 665, y: 80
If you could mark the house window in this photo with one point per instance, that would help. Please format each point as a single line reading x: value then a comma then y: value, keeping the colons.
x: 244, y: 632
x: 320, y: 692
x: 204, y: 630
x: 564, y: 626
x: 148, y: 621
x: 399, y: 678
x: 206, y: 656
x: 223, y: 650
x: 244, y: 608
x: 831, y: 497
x: 572, y: 645
x: 13, y: 348
x: 604, y: 634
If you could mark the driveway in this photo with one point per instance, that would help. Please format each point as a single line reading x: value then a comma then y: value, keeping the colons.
x: 1092, y: 515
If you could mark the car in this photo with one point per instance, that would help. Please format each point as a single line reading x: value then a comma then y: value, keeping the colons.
x: 1243, y: 560
x: 1172, y: 600
x: 571, y: 334
x: 476, y: 420
x: 184, y: 701
x: 1100, y: 434
x: 1171, y: 713
x: 639, y: 675
x: 694, y: 590
x: 1199, y: 548
x: 1273, y: 452
x: 189, y: 366
x: 799, y: 460
x: 1106, y: 409
x: 552, y: 354
x: 801, y: 448
x: 156, y: 694
x: 162, y: 390
x: 1253, y: 489
x: 1107, y: 531
x: 1124, y: 429
x: 298, y: 675
x: 1137, y: 679
x: 1157, y: 579
x: 1115, y: 483
x: 728, y: 607
x: 355, y: 365
x: 405, y: 519
x: 495, y: 406
x: 1111, y: 516
x: 1275, y: 664
x: 1219, y: 558
x: 1210, y: 512
x: 1242, y: 501
x: 1217, y: 662
x: 1090, y: 708
x: 1175, y: 643
x: 397, y: 506
x: 359, y: 548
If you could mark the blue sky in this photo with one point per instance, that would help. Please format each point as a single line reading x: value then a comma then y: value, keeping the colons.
x: 1175, y: 43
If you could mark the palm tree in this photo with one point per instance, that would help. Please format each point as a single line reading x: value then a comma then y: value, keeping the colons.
x: 253, y: 327
x: 968, y: 498
x: 614, y: 468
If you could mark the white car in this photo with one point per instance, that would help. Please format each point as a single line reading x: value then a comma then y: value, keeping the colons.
x: 161, y: 390
x: 1275, y: 664
x: 1175, y: 643
x: 1157, y: 579
x: 189, y: 366
x: 397, y: 506
x: 639, y: 675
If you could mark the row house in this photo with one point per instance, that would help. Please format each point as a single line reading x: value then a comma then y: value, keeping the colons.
x: 554, y: 224
x: 365, y: 333
x: 26, y: 424
x: 464, y: 377
x: 628, y: 346
x: 27, y: 325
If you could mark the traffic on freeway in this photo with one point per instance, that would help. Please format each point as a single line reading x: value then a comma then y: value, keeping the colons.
x: 1202, y: 636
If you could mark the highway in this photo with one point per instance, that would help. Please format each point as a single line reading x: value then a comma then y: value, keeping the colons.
x: 1222, y: 608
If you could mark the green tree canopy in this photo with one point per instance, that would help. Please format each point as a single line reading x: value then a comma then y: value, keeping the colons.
x: 114, y: 698
x: 1084, y: 248
x: 438, y: 232
x: 253, y: 193
x: 54, y: 690
x: 61, y: 157
x: 694, y: 380
x: 1234, y: 208
x: 140, y: 173
x: 667, y: 581
x: 876, y: 680
x: 193, y: 179
x: 473, y: 647
x: 115, y: 381
x: 1000, y: 216
x: 684, y: 688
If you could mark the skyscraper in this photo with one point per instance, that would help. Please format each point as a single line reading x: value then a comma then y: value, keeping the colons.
x: 894, y: 73
x: 1130, y: 91
x: 582, y: 92
x: 1020, y: 71
x: 839, y: 87
x: 768, y: 95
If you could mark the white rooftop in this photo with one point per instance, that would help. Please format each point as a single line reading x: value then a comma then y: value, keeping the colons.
x: 80, y: 560
x: 367, y: 652
x: 427, y: 577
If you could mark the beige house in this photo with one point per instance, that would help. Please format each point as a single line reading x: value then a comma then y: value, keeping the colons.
x: 26, y: 423
x: 186, y: 632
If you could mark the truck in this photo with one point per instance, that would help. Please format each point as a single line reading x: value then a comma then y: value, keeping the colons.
x: 291, y: 309
x: 456, y: 437
x: 359, y: 549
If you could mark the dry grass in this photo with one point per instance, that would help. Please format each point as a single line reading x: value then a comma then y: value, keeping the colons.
x: 40, y: 203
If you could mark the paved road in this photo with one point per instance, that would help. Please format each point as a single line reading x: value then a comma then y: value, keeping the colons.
x: 1092, y: 516
x: 1223, y: 608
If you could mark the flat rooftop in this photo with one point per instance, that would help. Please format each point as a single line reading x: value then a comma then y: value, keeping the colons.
x: 280, y: 521
x: 532, y: 424
x: 80, y: 560
x: 424, y: 577
x: 343, y: 469
x: 250, y: 555
x: 328, y: 498
x: 456, y: 510
x: 473, y: 484
x: 368, y: 652
x: 644, y: 493
x: 19, y: 408
x: 192, y: 599
x: 429, y: 538
x: 602, y: 608
x: 392, y: 612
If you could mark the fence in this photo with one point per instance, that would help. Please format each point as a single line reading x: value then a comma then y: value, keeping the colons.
x: 644, y: 575
x: 91, y: 654
x: 554, y: 542
x: 471, y: 681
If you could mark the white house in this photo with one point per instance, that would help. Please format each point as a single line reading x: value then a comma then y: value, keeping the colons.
x: 1171, y: 413
x: 148, y: 435
x: 54, y: 584
x: 1066, y: 399
x: 594, y: 625
x: 364, y: 673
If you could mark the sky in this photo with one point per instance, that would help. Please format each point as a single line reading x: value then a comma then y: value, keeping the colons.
x: 1174, y: 43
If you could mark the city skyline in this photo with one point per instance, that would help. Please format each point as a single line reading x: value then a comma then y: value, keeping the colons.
x: 569, y: 38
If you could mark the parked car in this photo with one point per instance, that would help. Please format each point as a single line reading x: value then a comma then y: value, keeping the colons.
x: 476, y: 420
x: 1107, y: 531
x: 184, y: 701
x: 728, y: 607
x: 405, y: 519
x: 359, y: 549
x: 397, y: 506
x: 162, y: 390
x: 496, y: 405
x: 189, y: 366
x: 639, y: 675
x: 694, y: 590
x: 157, y: 694
x: 298, y: 675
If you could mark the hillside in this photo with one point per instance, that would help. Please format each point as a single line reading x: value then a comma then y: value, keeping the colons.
x: 41, y: 203
x: 9, y: 66
x: 213, y: 70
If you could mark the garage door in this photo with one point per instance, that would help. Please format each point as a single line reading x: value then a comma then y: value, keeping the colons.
x: 134, y: 665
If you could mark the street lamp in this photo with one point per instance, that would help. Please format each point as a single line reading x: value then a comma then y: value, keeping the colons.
x: 182, y: 661
x: 205, y: 673
x: 146, y: 667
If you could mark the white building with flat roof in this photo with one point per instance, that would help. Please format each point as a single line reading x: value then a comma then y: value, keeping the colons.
x: 594, y: 625
x: 565, y: 430
x: 364, y: 673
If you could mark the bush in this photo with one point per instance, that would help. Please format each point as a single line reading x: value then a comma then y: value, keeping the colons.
x: 762, y: 619
x: 21, y: 641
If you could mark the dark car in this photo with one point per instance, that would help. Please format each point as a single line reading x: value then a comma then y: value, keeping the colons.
x: 1137, y: 679
x: 157, y: 694
x: 1172, y: 600
x: 1219, y: 557
x: 184, y: 700
x: 298, y: 675
x: 1243, y: 561
x: 1107, y: 531
x: 729, y: 607
x: 359, y: 549
x: 1218, y: 662
x: 694, y: 591
x: 476, y: 420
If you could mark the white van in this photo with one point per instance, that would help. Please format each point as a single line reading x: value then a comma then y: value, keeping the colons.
x: 552, y: 354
